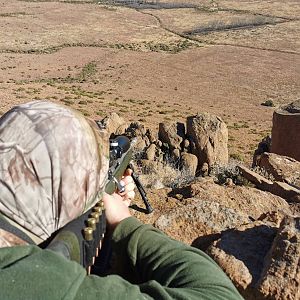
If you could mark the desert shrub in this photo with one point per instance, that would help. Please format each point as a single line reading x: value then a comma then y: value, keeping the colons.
x: 269, y: 103
x: 263, y: 172
x: 237, y: 156
x: 165, y: 175
x: 222, y: 173
x: 235, y: 23
x: 82, y: 102
x: 158, y: 174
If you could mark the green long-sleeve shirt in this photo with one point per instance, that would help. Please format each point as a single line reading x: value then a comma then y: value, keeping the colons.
x: 155, y: 267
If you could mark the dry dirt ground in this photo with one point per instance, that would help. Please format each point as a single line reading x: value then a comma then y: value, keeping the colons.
x: 155, y: 60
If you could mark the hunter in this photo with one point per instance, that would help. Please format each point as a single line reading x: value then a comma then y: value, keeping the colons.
x: 53, y: 164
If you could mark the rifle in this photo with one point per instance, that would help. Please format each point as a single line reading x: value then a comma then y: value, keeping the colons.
x: 81, y: 239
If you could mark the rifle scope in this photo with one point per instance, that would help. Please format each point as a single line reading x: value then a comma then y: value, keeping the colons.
x: 118, y: 147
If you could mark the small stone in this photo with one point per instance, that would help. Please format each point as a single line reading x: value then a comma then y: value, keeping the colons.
x: 229, y: 182
x: 150, y: 152
x: 204, y: 169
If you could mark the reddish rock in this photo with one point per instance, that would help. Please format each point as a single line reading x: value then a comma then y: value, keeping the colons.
x: 280, y: 278
x: 198, y: 218
x: 286, y: 130
x: 241, y: 253
x: 245, y: 199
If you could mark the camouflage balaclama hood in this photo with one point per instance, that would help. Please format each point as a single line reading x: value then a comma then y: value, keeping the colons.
x: 53, y: 163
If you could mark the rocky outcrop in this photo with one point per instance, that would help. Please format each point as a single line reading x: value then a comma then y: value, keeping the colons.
x: 281, y: 189
x: 263, y: 146
x: 280, y: 277
x: 114, y: 124
x: 199, y: 218
x: 247, y: 200
x: 286, y: 130
x: 208, y: 137
x: 241, y: 254
x: 172, y: 134
x: 282, y: 168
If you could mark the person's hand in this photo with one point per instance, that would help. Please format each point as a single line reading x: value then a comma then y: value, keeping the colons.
x: 116, y: 205
x: 127, y: 181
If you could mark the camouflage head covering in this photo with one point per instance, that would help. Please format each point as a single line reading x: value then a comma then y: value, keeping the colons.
x: 53, y: 164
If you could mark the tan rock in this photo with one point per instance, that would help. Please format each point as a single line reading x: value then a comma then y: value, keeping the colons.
x: 208, y: 135
x: 172, y: 133
x: 150, y: 152
x: 281, y: 274
x: 248, y: 200
x: 189, y: 163
x: 241, y: 252
x: 176, y: 154
x: 281, y: 189
x: 283, y: 168
x: 286, y: 130
x: 113, y: 122
x: 198, y: 218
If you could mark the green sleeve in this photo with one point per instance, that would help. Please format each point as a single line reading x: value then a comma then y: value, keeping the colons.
x: 157, y: 267
x: 164, y: 268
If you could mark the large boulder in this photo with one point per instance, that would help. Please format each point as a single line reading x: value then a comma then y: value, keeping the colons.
x: 286, y: 130
x: 247, y: 200
x: 172, y: 133
x: 114, y: 124
x: 198, y: 218
x: 282, y: 168
x: 280, y: 277
x: 241, y: 254
x: 208, y: 135
x: 136, y: 129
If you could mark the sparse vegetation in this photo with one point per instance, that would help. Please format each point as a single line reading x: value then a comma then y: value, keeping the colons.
x: 238, y: 22
x: 237, y: 156
x: 222, y: 173
x: 269, y: 103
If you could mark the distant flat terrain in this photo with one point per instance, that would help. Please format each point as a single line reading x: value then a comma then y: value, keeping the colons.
x: 155, y: 61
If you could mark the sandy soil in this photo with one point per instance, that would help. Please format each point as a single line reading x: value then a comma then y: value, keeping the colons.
x: 152, y: 65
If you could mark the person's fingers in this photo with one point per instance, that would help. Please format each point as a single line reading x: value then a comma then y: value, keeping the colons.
x: 128, y: 188
x: 127, y: 202
x: 126, y: 180
x: 128, y: 172
x: 130, y: 195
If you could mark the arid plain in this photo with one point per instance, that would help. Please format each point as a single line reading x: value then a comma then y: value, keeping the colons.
x: 155, y: 61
